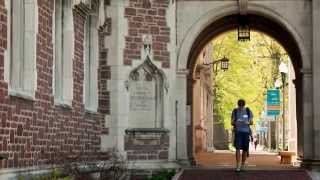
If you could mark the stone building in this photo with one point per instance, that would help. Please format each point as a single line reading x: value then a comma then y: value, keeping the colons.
x: 86, y: 76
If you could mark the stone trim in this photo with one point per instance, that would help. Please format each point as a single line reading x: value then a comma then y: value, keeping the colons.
x: 243, y: 7
x: 146, y: 130
x: 63, y: 64
x: 306, y: 72
x: 91, y: 61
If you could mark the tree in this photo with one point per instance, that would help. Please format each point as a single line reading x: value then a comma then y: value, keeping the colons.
x: 252, y: 70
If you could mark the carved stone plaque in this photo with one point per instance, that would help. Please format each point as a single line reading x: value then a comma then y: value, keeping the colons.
x: 142, y: 103
x: 142, y: 96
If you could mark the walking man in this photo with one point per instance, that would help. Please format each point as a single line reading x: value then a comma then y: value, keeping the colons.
x: 241, y: 119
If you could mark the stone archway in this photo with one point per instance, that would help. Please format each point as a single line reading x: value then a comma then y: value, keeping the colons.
x: 267, y: 22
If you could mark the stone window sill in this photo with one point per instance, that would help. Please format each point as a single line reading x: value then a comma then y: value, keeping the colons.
x: 63, y: 103
x: 91, y: 110
x: 21, y: 94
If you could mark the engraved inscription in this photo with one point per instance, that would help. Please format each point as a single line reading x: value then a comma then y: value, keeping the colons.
x: 142, y: 96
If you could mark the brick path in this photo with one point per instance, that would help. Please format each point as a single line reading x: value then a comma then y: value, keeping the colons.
x: 230, y: 174
x: 227, y: 159
x: 260, y: 166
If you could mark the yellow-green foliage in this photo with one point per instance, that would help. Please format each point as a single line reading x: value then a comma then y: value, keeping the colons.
x: 252, y: 70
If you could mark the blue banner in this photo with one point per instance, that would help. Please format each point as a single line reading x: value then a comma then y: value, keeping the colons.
x: 273, y: 102
x: 273, y: 97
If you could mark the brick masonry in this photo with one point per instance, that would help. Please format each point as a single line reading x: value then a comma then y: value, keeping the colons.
x: 36, y: 132
x: 147, y: 17
x: 147, y: 146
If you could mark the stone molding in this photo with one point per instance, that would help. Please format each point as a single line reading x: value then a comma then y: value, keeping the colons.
x: 243, y: 7
x: 135, y: 131
x: 306, y: 72
x: 225, y: 10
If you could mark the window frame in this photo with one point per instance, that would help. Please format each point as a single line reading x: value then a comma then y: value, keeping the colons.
x: 21, y: 57
x: 63, y: 34
x: 91, y: 59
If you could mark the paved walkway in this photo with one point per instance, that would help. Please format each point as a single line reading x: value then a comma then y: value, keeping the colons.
x: 228, y: 174
x: 256, y: 160
x: 220, y: 165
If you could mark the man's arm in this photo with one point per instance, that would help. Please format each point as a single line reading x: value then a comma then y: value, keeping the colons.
x: 251, y: 118
x: 232, y: 118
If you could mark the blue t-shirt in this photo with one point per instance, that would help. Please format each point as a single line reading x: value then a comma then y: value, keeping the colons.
x: 241, y: 118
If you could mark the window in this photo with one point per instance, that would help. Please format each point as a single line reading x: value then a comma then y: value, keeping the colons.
x: 22, y: 47
x: 64, y: 48
x: 91, y: 63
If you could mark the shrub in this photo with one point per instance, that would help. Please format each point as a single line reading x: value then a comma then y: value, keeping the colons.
x: 163, y: 175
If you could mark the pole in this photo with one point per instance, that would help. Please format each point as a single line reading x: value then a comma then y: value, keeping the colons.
x: 277, y: 132
x: 176, y: 129
x: 269, y: 134
x: 283, y: 111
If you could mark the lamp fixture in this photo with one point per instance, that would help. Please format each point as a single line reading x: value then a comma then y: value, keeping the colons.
x: 243, y: 28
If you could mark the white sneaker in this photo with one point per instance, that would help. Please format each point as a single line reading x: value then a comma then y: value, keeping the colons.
x: 243, y: 167
x: 238, y: 169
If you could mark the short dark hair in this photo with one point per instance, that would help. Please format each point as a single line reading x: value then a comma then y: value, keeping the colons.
x: 241, y: 102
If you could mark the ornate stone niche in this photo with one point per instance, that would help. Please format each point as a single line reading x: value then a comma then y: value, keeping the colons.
x: 146, y: 86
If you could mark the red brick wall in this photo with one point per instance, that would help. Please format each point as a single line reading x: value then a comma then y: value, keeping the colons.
x: 38, y: 132
x: 147, y: 17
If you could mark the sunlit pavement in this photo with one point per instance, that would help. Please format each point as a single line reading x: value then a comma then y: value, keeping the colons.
x: 261, y: 165
x: 256, y: 160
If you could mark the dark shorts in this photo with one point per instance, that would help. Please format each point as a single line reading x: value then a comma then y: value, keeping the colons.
x: 242, y: 140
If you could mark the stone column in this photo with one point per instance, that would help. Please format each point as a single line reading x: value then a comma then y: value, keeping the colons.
x: 183, y: 116
x: 292, y: 115
x: 316, y: 81
x: 117, y: 121
x: 307, y: 116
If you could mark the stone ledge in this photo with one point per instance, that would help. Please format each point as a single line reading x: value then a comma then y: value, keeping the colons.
x: 139, y: 131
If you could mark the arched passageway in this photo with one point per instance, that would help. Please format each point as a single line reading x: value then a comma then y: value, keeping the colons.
x: 257, y: 23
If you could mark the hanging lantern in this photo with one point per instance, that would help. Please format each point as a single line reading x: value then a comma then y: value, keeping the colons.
x: 243, y: 29
x: 224, y: 63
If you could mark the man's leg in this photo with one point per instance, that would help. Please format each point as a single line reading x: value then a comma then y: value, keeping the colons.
x: 245, y: 149
x: 244, y: 157
x: 238, y: 159
x: 237, y: 146
x: 238, y: 156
